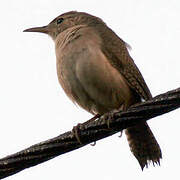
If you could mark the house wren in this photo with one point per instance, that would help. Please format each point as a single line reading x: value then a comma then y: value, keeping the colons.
x: 96, y: 71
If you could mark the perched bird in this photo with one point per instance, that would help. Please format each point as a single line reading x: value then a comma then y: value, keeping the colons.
x: 96, y: 71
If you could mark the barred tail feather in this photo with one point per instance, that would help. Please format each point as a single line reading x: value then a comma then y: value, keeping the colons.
x: 143, y: 145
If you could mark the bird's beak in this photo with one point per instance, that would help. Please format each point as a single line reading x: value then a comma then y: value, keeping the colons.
x: 43, y: 29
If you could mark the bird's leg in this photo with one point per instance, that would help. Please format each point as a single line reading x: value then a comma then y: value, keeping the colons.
x: 80, y: 126
x: 92, y: 119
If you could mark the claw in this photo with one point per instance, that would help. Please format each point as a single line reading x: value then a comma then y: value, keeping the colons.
x: 93, y: 144
x: 121, y: 132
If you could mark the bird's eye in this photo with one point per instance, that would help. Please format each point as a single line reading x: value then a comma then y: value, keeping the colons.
x: 60, y: 20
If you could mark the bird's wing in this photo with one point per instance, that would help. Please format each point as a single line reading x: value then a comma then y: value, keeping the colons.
x: 116, y: 52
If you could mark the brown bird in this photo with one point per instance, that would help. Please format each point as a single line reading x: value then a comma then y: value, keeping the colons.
x: 96, y: 71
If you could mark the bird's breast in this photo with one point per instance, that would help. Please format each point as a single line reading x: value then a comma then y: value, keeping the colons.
x: 88, y: 78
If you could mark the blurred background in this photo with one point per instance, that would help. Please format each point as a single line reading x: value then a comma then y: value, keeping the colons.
x: 34, y: 108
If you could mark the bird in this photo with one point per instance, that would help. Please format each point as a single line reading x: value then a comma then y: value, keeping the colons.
x: 96, y: 72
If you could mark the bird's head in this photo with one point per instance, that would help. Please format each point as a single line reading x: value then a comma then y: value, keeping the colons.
x: 65, y: 21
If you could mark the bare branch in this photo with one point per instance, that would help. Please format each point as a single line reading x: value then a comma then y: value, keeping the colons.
x: 91, y: 132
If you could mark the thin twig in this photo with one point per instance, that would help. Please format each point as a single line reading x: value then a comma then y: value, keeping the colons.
x: 91, y: 132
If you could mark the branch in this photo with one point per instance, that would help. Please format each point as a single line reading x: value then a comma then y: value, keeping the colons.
x: 90, y: 132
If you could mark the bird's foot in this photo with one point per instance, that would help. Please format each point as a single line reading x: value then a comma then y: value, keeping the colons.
x: 75, y: 131
x: 109, y: 116
x: 80, y: 126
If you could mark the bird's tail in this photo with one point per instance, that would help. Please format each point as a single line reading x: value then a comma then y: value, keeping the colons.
x: 143, y: 145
